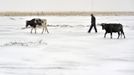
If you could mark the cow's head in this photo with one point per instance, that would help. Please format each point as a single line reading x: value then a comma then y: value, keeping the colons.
x: 27, y: 23
x: 103, y: 26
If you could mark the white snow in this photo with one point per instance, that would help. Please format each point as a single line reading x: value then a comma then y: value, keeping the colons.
x: 68, y: 49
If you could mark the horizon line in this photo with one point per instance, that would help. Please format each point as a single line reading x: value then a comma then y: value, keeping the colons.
x: 65, y: 13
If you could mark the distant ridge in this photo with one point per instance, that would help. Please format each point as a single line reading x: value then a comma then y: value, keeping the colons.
x: 66, y: 13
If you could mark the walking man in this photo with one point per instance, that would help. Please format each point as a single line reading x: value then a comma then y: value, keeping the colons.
x: 93, y: 24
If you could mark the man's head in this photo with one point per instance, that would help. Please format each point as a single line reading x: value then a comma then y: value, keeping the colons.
x: 92, y: 15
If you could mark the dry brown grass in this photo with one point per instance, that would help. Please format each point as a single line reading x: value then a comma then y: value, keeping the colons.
x: 69, y: 13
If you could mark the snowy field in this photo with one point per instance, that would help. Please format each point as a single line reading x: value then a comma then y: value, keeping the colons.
x: 68, y: 49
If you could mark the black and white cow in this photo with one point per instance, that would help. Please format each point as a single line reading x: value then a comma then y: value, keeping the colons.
x: 113, y: 27
x: 34, y: 23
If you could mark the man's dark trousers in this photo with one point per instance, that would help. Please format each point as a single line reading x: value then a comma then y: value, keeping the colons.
x: 93, y: 25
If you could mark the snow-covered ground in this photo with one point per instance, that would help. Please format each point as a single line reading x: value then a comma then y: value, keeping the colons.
x: 68, y: 49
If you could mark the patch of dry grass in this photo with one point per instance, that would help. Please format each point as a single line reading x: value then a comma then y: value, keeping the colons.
x: 68, y: 13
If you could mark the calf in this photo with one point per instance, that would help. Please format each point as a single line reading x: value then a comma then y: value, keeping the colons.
x: 113, y: 27
x: 34, y: 23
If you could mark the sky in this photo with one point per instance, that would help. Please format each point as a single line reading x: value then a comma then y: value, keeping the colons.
x: 67, y: 5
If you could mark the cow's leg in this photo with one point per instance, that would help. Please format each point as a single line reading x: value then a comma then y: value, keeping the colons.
x: 42, y: 30
x: 46, y: 29
x: 118, y: 35
x: 111, y: 35
x: 35, y: 30
x: 31, y: 30
x: 45, y: 26
x: 105, y: 34
x: 123, y: 33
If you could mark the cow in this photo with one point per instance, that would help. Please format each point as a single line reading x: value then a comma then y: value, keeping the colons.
x: 36, y: 22
x: 113, y: 27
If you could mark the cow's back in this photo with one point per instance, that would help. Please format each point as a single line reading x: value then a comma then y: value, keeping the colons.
x: 112, y: 27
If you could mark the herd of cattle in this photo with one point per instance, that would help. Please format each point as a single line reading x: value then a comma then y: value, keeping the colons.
x: 108, y: 27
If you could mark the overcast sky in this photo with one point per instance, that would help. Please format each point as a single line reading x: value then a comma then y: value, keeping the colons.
x: 67, y: 5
